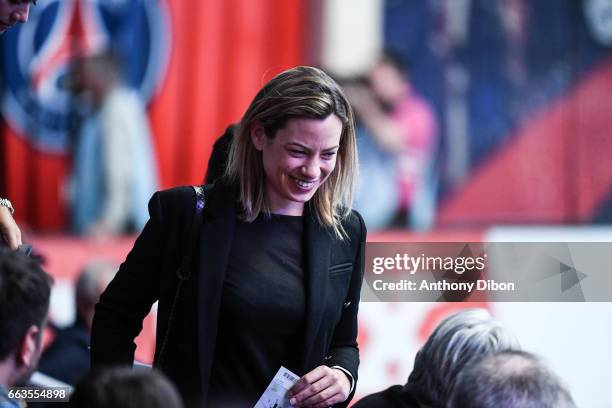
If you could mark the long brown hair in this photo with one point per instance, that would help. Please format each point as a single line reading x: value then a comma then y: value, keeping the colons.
x: 301, y: 92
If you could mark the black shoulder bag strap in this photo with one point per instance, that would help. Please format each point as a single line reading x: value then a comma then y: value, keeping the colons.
x: 183, y: 272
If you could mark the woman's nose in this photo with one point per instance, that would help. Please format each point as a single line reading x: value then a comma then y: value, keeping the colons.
x: 311, y: 170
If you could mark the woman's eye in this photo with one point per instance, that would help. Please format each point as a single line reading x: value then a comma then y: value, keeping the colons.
x: 329, y: 155
x: 296, y: 153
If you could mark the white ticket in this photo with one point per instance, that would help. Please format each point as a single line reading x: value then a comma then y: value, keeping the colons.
x: 275, y: 396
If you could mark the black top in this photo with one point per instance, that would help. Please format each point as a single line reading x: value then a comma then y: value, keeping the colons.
x: 333, y: 275
x: 397, y: 396
x: 263, y: 305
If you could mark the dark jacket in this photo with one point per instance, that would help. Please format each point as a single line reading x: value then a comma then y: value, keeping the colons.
x: 333, y: 272
x: 67, y: 358
x: 397, y: 396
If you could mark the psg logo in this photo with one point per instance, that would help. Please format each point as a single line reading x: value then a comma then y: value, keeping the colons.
x: 36, y: 59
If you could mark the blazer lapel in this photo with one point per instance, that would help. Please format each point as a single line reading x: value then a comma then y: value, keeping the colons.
x: 215, y: 244
x: 317, y: 241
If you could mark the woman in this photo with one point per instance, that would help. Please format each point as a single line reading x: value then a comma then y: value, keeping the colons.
x: 278, y: 271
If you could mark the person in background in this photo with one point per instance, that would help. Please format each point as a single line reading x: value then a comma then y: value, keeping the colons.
x: 217, y: 163
x: 9, y: 230
x: 24, y: 303
x: 403, y: 124
x: 115, y: 170
x: 458, y: 341
x: 376, y: 194
x: 11, y: 13
x: 121, y: 387
x: 510, y: 379
x: 67, y: 357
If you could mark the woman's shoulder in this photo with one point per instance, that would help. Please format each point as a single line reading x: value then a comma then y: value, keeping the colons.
x: 181, y: 193
x: 174, y: 205
x: 185, y: 199
x: 178, y: 194
x: 354, y: 225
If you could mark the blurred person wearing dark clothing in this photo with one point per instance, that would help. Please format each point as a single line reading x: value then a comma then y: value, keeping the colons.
x: 67, y: 358
x: 511, y: 379
x: 24, y: 303
x: 397, y: 396
x: 459, y: 340
x: 120, y: 387
x: 220, y: 153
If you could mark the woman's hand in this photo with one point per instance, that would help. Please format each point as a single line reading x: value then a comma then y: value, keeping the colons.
x: 322, y: 387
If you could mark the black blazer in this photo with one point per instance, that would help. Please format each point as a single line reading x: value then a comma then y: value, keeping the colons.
x: 333, y: 270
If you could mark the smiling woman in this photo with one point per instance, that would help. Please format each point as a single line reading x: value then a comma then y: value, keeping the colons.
x: 297, y: 160
x: 278, y: 275
x: 311, y: 118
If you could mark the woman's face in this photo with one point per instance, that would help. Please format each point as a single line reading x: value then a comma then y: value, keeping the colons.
x: 298, y: 160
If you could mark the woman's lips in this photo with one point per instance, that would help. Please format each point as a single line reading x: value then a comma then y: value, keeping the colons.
x: 304, y: 184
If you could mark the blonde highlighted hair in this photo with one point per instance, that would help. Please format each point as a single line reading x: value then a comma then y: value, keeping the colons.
x: 301, y: 92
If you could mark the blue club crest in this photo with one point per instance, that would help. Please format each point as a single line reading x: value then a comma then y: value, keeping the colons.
x: 36, y: 58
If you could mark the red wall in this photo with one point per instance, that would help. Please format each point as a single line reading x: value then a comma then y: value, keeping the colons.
x: 221, y: 54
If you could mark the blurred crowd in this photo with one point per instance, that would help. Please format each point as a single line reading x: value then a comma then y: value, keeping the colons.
x: 114, y: 170
x: 470, y: 360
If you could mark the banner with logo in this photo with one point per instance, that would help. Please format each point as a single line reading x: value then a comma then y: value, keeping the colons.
x: 196, y: 65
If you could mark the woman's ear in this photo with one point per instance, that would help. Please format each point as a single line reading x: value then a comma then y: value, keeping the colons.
x: 258, y: 135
